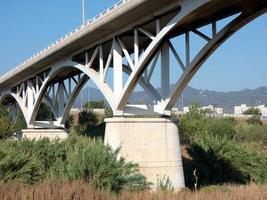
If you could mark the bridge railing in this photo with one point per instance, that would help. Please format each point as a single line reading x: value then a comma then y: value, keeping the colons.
x: 65, y: 37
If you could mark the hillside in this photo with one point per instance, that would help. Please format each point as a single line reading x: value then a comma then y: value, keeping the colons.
x: 226, y: 100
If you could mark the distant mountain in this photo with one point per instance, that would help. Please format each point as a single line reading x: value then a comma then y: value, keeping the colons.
x: 226, y: 100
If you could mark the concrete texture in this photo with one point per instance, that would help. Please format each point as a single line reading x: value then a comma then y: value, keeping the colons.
x: 153, y: 143
x: 44, y: 133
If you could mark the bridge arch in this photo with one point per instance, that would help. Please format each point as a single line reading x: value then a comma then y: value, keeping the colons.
x: 17, y: 101
x: 214, y: 43
x: 89, y: 74
x: 178, y: 22
x: 242, y: 20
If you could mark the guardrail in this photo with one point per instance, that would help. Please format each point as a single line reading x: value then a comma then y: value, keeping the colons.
x: 65, y: 37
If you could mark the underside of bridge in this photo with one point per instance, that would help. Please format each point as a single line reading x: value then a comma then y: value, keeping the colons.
x: 129, y: 42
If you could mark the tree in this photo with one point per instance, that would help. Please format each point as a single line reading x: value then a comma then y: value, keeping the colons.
x: 7, y: 128
x: 45, y: 113
x: 192, y: 123
x: 20, y: 123
x: 252, y: 111
x: 255, y: 118
x: 94, y: 104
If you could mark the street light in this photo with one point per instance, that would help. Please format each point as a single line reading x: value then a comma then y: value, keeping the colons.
x: 83, y: 11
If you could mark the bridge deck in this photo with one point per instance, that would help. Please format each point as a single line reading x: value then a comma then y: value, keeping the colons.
x: 121, y: 18
x: 104, y: 26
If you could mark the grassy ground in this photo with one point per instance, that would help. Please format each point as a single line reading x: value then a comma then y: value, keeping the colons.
x: 80, y: 191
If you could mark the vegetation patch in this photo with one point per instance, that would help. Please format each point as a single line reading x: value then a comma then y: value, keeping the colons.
x: 77, y: 158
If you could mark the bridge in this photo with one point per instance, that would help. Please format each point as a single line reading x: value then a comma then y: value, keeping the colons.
x: 128, y: 41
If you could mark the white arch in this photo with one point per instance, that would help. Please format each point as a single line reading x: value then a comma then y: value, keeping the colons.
x: 72, y: 98
x: 208, y: 50
x: 92, y: 74
x: 164, y: 107
x: 18, y: 100
x: 187, y: 7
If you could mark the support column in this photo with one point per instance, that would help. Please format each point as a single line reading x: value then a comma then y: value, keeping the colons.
x: 165, y: 70
x: 60, y: 99
x: 153, y: 143
x: 30, y: 99
x: 13, y: 109
x: 117, y: 69
x: 44, y: 133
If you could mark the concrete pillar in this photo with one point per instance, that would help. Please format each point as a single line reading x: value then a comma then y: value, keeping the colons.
x: 165, y: 70
x: 153, y: 143
x: 60, y: 99
x: 44, y: 133
x: 117, y: 70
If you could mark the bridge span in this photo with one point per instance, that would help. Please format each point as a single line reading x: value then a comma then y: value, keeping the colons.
x: 133, y: 37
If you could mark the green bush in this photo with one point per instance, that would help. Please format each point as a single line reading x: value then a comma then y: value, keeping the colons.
x: 77, y: 158
x: 222, y: 127
x: 90, y: 124
x: 192, y: 124
x: 3, y: 111
x: 45, y: 113
x: 20, y: 123
x: 197, y: 123
x: 164, y: 184
x: 220, y: 160
x: 251, y: 133
x: 255, y: 119
x: 252, y: 111
x: 92, y: 131
x: 94, y: 104
x: 108, y: 113
x: 7, y: 128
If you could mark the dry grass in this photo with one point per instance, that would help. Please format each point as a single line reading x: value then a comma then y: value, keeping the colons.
x: 79, y: 191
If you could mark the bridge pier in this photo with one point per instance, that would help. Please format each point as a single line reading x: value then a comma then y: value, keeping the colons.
x: 44, y: 133
x: 153, y: 143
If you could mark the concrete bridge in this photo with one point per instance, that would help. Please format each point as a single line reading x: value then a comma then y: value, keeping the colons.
x: 127, y: 40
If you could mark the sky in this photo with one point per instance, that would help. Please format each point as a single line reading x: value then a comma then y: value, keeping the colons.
x: 28, y: 26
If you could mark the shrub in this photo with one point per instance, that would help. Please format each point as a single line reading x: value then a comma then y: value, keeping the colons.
x: 251, y: 133
x: 3, y: 111
x: 255, y: 119
x: 20, y: 166
x: 45, y: 113
x: 252, y: 111
x: 220, y: 160
x: 7, y: 127
x: 94, y: 104
x: 192, y: 124
x: 108, y: 113
x: 89, y: 117
x: 89, y: 124
x: 20, y: 123
x: 164, y: 184
x: 222, y: 127
x: 77, y: 158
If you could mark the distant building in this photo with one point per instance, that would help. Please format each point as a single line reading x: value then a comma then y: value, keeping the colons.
x: 239, y: 110
x: 214, y: 110
x: 263, y: 111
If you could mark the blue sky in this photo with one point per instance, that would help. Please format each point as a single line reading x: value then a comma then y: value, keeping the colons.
x: 28, y: 26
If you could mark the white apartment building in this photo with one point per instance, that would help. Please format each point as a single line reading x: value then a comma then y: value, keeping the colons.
x: 239, y: 110
x: 212, y: 108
